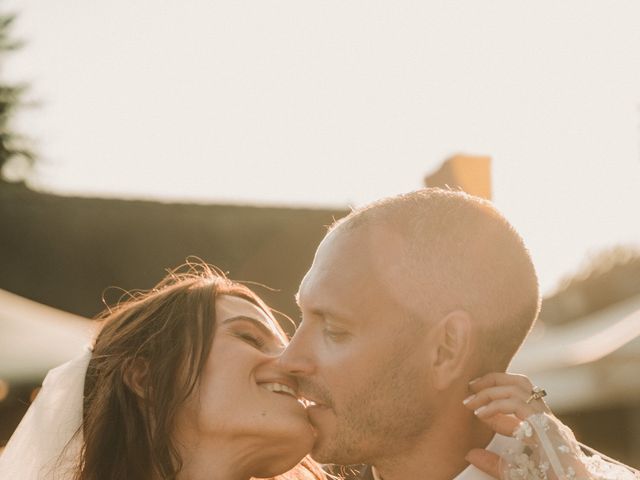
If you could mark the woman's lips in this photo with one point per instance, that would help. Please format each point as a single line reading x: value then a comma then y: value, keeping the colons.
x: 277, y: 387
x: 282, y: 390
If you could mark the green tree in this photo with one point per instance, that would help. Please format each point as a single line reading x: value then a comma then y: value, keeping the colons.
x: 14, y: 148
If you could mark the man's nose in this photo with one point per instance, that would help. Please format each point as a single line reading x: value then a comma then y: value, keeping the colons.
x: 297, y: 358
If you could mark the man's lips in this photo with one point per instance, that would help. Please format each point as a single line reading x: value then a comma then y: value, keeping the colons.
x: 311, y: 402
x: 308, y: 403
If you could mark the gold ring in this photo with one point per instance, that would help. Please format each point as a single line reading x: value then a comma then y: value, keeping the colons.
x: 536, y: 394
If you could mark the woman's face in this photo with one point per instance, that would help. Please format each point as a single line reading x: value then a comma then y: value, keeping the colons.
x: 243, y: 396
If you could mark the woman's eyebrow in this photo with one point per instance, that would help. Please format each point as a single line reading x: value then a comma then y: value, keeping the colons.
x: 258, y: 323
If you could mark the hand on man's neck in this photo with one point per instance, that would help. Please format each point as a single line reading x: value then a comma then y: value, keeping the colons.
x: 440, y: 453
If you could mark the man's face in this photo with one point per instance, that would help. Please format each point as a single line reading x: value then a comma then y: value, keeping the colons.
x: 356, y: 352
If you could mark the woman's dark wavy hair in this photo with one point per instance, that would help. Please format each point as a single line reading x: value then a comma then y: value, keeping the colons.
x: 170, y: 328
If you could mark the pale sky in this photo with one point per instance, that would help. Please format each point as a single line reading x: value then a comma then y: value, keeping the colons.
x: 336, y: 103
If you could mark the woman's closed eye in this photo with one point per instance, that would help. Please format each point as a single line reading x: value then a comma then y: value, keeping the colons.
x: 251, y: 338
x: 255, y: 333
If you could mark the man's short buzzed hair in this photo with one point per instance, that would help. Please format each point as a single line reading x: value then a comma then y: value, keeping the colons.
x: 462, y: 254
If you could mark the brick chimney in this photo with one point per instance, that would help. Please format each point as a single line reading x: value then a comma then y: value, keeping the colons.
x: 470, y: 173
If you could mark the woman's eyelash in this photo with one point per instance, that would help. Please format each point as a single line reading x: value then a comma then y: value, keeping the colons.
x: 256, y: 341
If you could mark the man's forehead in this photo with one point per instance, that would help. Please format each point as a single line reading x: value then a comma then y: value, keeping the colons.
x: 373, y: 251
x: 354, y: 265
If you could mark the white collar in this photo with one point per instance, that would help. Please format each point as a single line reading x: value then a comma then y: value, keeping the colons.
x: 499, y: 443
x: 374, y: 472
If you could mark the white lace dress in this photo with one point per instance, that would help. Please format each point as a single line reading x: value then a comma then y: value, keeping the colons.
x: 548, y: 450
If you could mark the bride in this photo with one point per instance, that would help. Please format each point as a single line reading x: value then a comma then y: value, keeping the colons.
x: 182, y: 382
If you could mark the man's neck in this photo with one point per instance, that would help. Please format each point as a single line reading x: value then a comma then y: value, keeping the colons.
x: 440, y: 452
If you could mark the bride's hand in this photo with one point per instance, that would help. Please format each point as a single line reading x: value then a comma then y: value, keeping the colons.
x: 502, y: 401
x: 512, y: 406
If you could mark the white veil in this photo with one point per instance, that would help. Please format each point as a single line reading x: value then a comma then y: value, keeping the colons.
x: 47, y: 443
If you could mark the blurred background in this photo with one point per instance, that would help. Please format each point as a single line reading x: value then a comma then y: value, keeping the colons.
x: 135, y: 134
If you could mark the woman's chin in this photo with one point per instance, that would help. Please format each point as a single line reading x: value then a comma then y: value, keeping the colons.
x: 289, y: 445
x: 299, y: 438
x: 283, y: 461
x: 293, y: 428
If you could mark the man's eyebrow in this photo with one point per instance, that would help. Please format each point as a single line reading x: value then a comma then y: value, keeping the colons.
x: 322, y: 312
x: 258, y: 323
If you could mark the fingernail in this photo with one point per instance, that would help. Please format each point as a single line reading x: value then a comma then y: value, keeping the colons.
x: 468, y: 399
x: 479, y: 410
x: 474, y: 381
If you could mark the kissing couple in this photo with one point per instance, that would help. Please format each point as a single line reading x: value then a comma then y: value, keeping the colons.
x: 411, y: 313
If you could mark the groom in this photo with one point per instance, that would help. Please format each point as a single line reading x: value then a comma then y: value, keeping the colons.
x: 407, y: 300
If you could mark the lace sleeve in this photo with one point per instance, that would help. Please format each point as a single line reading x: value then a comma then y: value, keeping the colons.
x: 548, y: 450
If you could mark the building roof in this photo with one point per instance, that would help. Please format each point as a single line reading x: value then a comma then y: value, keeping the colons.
x: 35, y: 338
x: 64, y: 251
x: 590, y: 363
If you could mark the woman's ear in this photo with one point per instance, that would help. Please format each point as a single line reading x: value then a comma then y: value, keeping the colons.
x: 452, y: 349
x: 135, y: 376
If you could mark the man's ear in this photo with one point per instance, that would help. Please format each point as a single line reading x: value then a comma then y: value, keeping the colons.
x: 135, y: 376
x: 452, y: 348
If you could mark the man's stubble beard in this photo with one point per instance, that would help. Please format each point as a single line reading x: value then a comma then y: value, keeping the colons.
x: 386, y: 415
